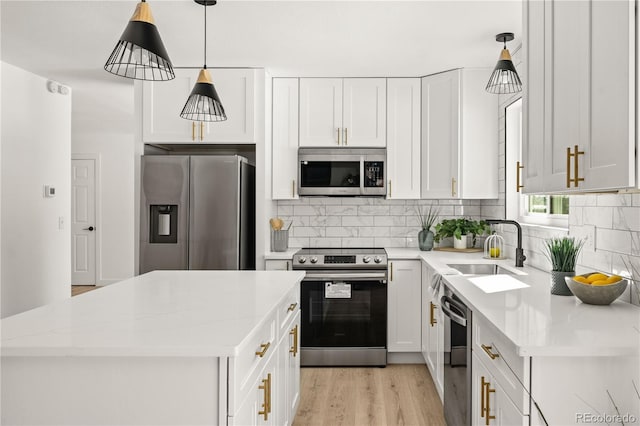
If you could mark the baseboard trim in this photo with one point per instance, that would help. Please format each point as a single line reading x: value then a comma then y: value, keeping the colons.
x: 405, y: 358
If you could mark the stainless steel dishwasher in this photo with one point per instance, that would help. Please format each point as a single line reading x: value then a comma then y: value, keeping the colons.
x: 457, y: 363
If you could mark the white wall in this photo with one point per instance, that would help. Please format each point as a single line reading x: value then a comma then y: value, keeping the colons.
x: 36, y: 151
x: 103, y: 124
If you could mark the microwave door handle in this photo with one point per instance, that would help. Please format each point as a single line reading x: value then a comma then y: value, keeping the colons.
x: 444, y: 301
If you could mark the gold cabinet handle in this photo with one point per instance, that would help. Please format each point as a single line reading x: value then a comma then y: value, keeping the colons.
x: 202, y: 130
x: 338, y: 135
x: 569, y: 155
x: 576, y: 175
x: 390, y: 271
x: 518, y: 168
x: 266, y: 405
x: 487, y: 349
x: 293, y: 188
x: 292, y: 306
x: 193, y: 130
x: 487, y: 404
x: 453, y: 187
x: 294, y: 348
x: 389, y: 187
x: 432, y: 317
x: 345, y: 136
x: 264, y: 348
x: 483, y: 408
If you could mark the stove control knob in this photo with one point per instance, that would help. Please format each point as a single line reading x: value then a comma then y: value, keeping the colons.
x: 302, y: 259
x: 366, y: 259
x: 314, y: 259
x: 377, y: 259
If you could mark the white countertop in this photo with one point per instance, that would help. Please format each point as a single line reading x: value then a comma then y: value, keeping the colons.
x: 537, y: 322
x: 281, y: 255
x: 161, y: 313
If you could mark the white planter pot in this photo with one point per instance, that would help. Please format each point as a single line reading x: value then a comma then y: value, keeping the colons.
x: 460, y: 243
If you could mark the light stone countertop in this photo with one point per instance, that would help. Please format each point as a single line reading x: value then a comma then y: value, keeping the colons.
x: 537, y: 322
x: 281, y: 255
x: 161, y: 313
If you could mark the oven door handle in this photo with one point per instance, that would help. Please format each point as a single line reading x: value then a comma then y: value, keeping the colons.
x: 354, y: 276
x: 445, y: 301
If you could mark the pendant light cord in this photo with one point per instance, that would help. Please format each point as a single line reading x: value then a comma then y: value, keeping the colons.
x: 205, y: 36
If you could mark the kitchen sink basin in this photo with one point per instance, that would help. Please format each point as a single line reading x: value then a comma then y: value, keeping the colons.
x: 480, y: 269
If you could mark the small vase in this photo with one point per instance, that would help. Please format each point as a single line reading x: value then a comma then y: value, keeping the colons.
x: 460, y: 243
x: 425, y: 240
x: 558, y: 285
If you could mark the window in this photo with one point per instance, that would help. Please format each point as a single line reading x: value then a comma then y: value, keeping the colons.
x: 552, y: 210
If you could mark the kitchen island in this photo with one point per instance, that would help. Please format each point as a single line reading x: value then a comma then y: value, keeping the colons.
x: 166, y: 347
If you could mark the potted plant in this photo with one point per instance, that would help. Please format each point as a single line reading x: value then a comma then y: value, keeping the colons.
x: 563, y: 254
x: 460, y: 229
x: 427, y: 219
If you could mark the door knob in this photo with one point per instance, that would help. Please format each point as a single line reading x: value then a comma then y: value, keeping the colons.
x: 91, y: 228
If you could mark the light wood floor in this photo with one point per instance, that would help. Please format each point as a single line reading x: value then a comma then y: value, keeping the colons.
x: 395, y: 395
x: 79, y: 289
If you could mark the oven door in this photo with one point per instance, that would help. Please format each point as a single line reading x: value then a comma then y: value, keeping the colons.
x: 344, y: 319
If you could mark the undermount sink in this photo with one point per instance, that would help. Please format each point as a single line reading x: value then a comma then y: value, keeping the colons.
x: 480, y: 269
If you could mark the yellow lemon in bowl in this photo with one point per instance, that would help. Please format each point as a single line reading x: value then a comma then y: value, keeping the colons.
x: 596, y: 277
x: 581, y: 279
x: 494, y: 252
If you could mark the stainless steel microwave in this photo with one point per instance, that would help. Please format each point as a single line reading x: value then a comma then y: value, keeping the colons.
x: 342, y: 171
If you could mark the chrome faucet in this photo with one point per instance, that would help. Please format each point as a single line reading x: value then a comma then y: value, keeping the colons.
x: 520, y: 257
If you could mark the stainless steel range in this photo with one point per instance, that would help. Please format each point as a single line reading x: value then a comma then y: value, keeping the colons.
x: 344, y: 306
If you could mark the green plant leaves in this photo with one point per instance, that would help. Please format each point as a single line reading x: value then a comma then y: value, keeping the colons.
x: 562, y: 252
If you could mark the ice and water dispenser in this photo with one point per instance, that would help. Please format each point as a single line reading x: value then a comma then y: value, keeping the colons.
x: 163, y: 224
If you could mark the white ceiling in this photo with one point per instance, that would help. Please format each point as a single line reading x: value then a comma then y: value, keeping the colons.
x: 70, y: 40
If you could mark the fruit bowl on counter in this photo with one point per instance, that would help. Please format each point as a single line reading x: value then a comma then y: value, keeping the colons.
x: 595, y: 288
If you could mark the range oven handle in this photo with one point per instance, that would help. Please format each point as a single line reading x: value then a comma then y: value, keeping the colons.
x: 445, y: 301
x: 351, y: 276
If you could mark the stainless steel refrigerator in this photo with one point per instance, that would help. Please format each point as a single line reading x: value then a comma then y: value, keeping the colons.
x: 197, y: 212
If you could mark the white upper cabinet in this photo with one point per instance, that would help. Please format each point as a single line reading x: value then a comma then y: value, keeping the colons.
x: 285, y: 139
x: 403, y: 138
x: 163, y: 101
x: 343, y: 112
x: 579, y: 106
x: 459, y: 136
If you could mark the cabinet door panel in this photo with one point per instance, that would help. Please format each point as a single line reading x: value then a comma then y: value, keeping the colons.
x: 404, y: 295
x: 320, y: 111
x: 285, y: 139
x: 403, y: 137
x: 162, y: 104
x: 440, y: 132
x: 609, y: 160
x: 533, y: 97
x: 364, y: 114
x: 236, y: 88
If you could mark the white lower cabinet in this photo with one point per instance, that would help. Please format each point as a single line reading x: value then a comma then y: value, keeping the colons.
x: 264, y: 380
x: 490, y: 404
x: 404, y: 306
x: 432, y: 329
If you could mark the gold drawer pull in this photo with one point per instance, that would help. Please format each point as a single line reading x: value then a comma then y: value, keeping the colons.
x: 266, y: 405
x: 294, y: 347
x: 432, y: 319
x: 488, y: 403
x: 292, y: 307
x: 483, y: 409
x: 264, y: 347
x: 338, y: 136
x: 193, y: 130
x: 487, y: 349
x: 453, y: 187
x: 345, y: 136
x: 518, y: 184
x: 202, y: 130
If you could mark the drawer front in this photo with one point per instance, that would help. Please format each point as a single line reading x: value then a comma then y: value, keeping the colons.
x: 288, y: 309
x: 251, y: 359
x: 499, y: 355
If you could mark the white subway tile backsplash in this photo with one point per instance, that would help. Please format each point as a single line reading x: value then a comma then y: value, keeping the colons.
x: 626, y: 218
x: 308, y: 231
x: 374, y: 231
x: 325, y: 221
x: 389, y: 220
x: 391, y: 242
x: 613, y: 240
x: 373, y: 210
x: 308, y: 210
x: 342, y: 231
x: 357, y: 221
x: 601, y: 217
x: 357, y: 242
x: 614, y: 200
x: 342, y: 210
x: 325, y: 242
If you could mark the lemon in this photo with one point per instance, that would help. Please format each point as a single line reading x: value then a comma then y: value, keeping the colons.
x: 596, y: 277
x: 600, y: 282
x: 494, y: 252
x: 614, y: 279
x: 580, y: 279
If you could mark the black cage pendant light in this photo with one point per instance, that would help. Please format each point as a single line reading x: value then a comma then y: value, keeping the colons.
x: 139, y: 53
x: 504, y: 78
x: 204, y: 103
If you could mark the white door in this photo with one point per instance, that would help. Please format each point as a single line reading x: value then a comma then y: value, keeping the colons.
x: 83, y: 222
x: 321, y: 112
x: 364, y: 115
x: 285, y: 139
x: 404, y: 292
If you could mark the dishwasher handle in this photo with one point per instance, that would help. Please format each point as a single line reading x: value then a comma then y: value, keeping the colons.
x: 445, y: 304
